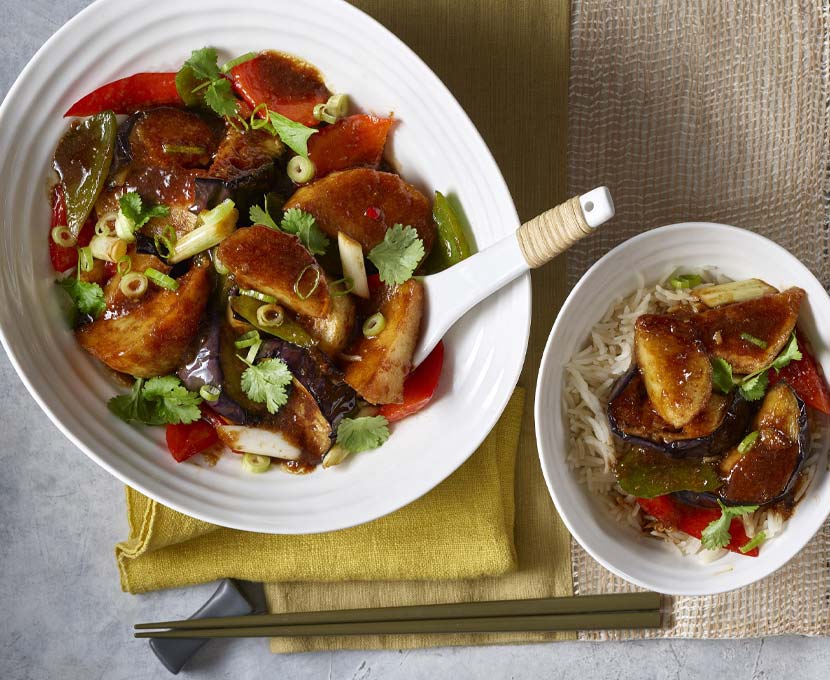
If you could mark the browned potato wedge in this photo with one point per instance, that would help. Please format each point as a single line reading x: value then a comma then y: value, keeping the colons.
x: 334, y: 330
x: 675, y: 367
x: 148, y: 337
x: 380, y: 365
x: 159, y: 138
x: 302, y: 423
x: 243, y: 151
x: 340, y: 200
x: 272, y: 262
x: 769, y: 320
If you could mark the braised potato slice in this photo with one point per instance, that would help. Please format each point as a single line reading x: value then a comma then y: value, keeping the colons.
x: 675, y: 367
x: 148, y: 337
x: 750, y: 334
x: 341, y: 200
x: 302, y: 422
x: 333, y: 330
x: 167, y: 137
x: 272, y: 262
x: 386, y: 359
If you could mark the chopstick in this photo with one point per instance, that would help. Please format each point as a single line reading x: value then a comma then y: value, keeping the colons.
x: 617, y: 611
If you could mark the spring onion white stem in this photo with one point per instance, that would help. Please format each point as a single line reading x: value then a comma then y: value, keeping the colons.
x: 215, y: 226
x: 108, y: 248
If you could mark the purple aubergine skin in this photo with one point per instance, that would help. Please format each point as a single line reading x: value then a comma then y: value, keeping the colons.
x: 206, y: 369
x: 727, y: 434
x: 335, y: 398
x: 709, y: 500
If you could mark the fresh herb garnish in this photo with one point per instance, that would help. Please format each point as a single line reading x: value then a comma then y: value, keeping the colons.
x: 685, y: 281
x: 293, y: 134
x: 748, y: 337
x: 158, y: 401
x: 261, y: 216
x: 756, y: 541
x: 361, y: 434
x: 716, y: 534
x: 132, y: 215
x: 87, y: 297
x: 790, y: 353
x: 266, y: 383
x: 201, y: 79
x: 304, y: 226
x: 755, y: 386
x: 397, y: 256
x: 722, y: 375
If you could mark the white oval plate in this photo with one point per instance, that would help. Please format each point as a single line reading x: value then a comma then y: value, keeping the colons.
x: 646, y: 562
x: 436, y: 147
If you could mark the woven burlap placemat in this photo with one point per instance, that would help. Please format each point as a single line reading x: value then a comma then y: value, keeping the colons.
x: 708, y: 110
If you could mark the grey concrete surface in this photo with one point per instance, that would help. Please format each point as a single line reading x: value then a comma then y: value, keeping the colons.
x: 63, y: 616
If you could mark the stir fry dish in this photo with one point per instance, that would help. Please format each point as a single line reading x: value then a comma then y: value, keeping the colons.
x: 235, y: 246
x: 712, y: 420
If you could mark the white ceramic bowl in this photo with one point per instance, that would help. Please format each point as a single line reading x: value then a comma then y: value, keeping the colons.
x: 646, y: 562
x: 436, y: 147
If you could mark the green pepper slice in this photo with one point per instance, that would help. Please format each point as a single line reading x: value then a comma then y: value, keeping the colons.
x: 82, y: 161
x: 451, y: 245
x: 288, y: 330
x: 647, y: 474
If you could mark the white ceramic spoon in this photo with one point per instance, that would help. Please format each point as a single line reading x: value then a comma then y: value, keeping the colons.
x: 461, y: 287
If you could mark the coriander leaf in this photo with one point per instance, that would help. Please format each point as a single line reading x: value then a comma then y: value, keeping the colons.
x: 754, y: 387
x: 172, y: 401
x: 130, y: 206
x: 790, y: 353
x: 239, y: 60
x: 87, y: 297
x: 716, y: 534
x: 398, y: 255
x: 722, y: 375
x: 260, y: 216
x: 294, y: 135
x: 220, y: 98
x: 266, y: 382
x: 129, y: 406
x: 132, y: 215
x: 304, y: 226
x: 757, y: 540
x: 186, y: 82
x: 293, y: 219
x: 361, y: 434
x: 204, y: 64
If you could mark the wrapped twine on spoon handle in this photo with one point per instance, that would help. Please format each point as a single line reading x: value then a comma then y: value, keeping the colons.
x: 552, y: 233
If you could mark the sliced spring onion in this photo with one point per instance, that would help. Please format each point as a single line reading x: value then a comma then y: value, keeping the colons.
x: 255, y: 463
x: 748, y: 442
x: 374, y: 325
x: 753, y: 340
x: 85, y: 260
x: 133, y: 284
x: 218, y: 265
x: 354, y: 266
x: 338, y: 105
x: 103, y: 227
x: 108, y: 248
x: 685, y: 281
x: 63, y: 237
x: 210, y: 392
x: 215, y: 226
x: 756, y: 541
x: 183, y: 148
x: 321, y: 113
x: 270, y: 316
x: 300, y: 170
x: 253, y: 351
x: 258, y: 122
x: 160, y: 279
x: 227, y: 66
x: 336, y: 455
x: 125, y: 264
x: 165, y: 242
x: 262, y: 297
x: 341, y: 287
x: 248, y: 340
x: 310, y: 292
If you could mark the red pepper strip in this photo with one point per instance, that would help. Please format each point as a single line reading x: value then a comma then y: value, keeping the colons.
x: 805, y: 377
x: 349, y: 143
x: 129, y: 94
x: 284, y: 84
x: 184, y: 441
x: 419, y: 387
x: 65, y: 258
x: 693, y: 521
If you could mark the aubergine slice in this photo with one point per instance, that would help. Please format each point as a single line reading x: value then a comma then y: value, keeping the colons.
x: 632, y: 417
x: 167, y: 137
x: 675, y: 367
x: 767, y: 471
x: 750, y: 334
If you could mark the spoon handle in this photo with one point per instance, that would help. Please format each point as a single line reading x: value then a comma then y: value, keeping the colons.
x: 554, y: 231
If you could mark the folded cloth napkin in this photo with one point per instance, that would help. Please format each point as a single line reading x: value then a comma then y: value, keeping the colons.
x: 461, y: 529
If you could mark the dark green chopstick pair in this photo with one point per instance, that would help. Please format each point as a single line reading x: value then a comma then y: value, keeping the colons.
x: 591, y: 612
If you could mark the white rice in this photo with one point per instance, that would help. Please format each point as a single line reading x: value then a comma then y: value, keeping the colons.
x: 589, y: 377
